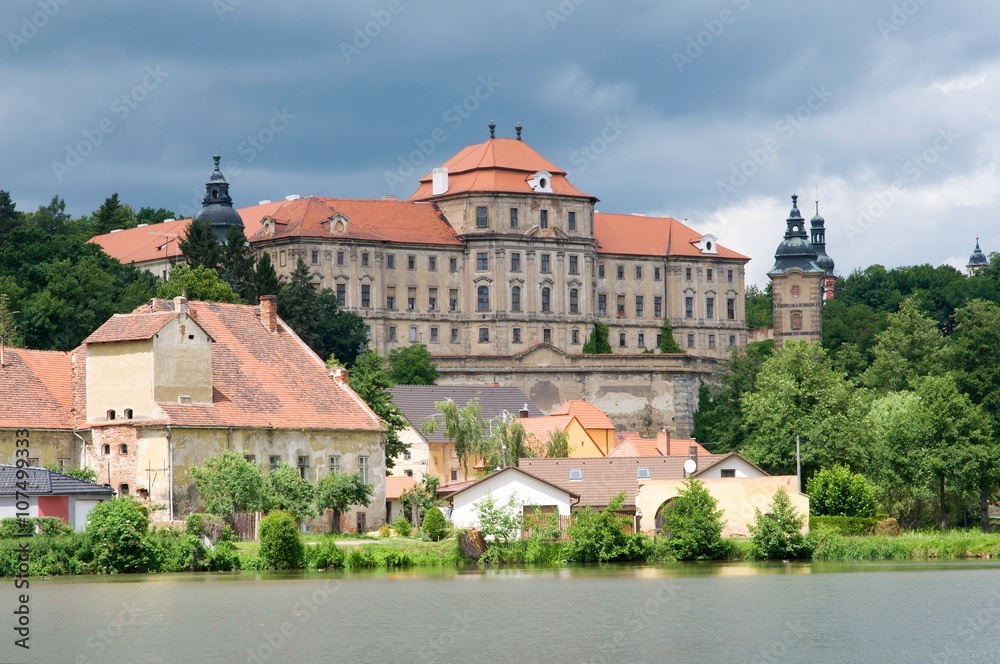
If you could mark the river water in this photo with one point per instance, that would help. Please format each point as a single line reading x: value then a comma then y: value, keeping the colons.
x: 797, y: 612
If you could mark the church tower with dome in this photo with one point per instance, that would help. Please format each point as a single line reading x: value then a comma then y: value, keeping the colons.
x: 217, y: 206
x: 977, y: 260
x: 799, y: 280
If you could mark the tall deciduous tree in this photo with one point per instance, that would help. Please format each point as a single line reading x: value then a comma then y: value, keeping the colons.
x: 369, y: 378
x: 719, y: 418
x: 287, y: 490
x: 228, y: 483
x: 412, y: 365
x: 694, y: 523
x: 200, y: 245
x: 464, y: 426
x: 910, y: 347
x: 758, y: 307
x: 199, y: 283
x: 338, y: 491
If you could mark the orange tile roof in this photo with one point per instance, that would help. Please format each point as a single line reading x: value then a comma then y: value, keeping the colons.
x: 35, y: 390
x: 635, y: 235
x: 497, y: 165
x: 371, y: 220
x: 145, y: 243
x: 545, y: 423
x: 397, y: 485
x: 129, y: 327
x: 590, y: 416
x: 636, y: 447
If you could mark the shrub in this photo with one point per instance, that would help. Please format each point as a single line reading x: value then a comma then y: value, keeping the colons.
x: 180, y: 552
x: 601, y: 537
x: 117, y: 537
x: 777, y: 533
x: 384, y: 530
x: 206, y: 525
x: 48, y: 526
x: 888, y: 527
x: 499, y: 523
x: 695, y: 524
x: 280, y: 543
x: 844, y: 525
x: 371, y: 557
x: 435, y: 526
x: 325, y: 555
x: 839, y: 492
x: 402, y: 527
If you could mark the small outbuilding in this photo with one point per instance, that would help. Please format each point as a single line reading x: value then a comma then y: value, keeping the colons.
x: 50, y: 493
x: 530, y: 493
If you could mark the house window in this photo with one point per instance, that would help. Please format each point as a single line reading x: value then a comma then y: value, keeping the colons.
x: 282, y: 259
x: 642, y: 473
x: 602, y: 304
x: 642, y: 340
x: 728, y: 472
x: 657, y: 306
x: 513, y: 217
x: 600, y: 270
x: 731, y: 308
x: 689, y: 307
x: 390, y: 298
x: 335, y: 464
x: 340, y: 258
x: 543, y: 218
x: 482, y: 261
x: 411, y: 298
x: 363, y: 469
x: 33, y: 462
x: 546, y: 300
x: 796, y: 320
x: 621, y: 340
x: 515, y: 298
x: 711, y: 341
x: 690, y: 341
x: 483, y: 298
x: 574, y: 337
x: 452, y: 299
x: 574, y: 301
x: 621, y: 271
x: 656, y: 273
x: 273, y: 461
x: 481, y: 218
x: 571, y: 220
x: 123, y: 449
x: 392, y: 333
x: 123, y: 489
x: 105, y: 449
x: 639, y: 306
x: 390, y: 261
x: 710, y: 307
x: 341, y: 295
x: 432, y: 299
x: 484, y: 335
x: 364, y: 259
x: 687, y: 274
x: 638, y: 272
x: 574, y: 265
x: 434, y: 335
x: 732, y: 339
x: 729, y: 276
x: 620, y: 303
x: 304, y: 467
x: 515, y: 261
x: 413, y: 334
x: 366, y: 296
x: 315, y: 256
x: 454, y: 335
x: 708, y: 274
x: 250, y: 458
x: 453, y: 265
x: 411, y: 262
x: 659, y: 340
x: 362, y: 525
x: 517, y: 335
x: 63, y: 464
x: 454, y: 475
x: 546, y: 263
x: 576, y: 474
x: 408, y: 472
x: 432, y: 263
x: 547, y: 335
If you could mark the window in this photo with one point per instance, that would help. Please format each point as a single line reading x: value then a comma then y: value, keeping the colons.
x: 341, y: 295
x: 574, y: 265
x: 454, y: 475
x: 282, y: 259
x: 731, y: 308
x: 123, y: 449
x: 642, y: 340
x: 709, y: 307
x: 105, y: 449
x: 642, y: 473
x: 483, y: 298
x: 729, y: 276
x: 656, y: 273
x: 304, y: 467
x: 64, y: 463
x: 708, y: 274
x: 576, y: 474
x: 411, y: 262
x: 366, y: 296
x: 453, y: 299
x: 621, y: 340
x: 482, y: 260
x: 638, y: 272
x: 639, y: 308
x: 621, y: 271
x: 453, y: 265
x: 110, y: 415
x: 340, y: 258
x: 484, y: 335
x: 546, y: 263
x: 432, y: 264
x: 413, y: 334
x: 515, y: 261
x: 574, y: 301
x: 543, y: 218
x: 408, y: 472
x: 432, y: 299
x: 390, y: 297
x: 273, y: 461
x: 547, y: 335
x: 574, y: 336
x: 513, y: 217
x: 335, y: 464
x: 689, y: 307
x: 390, y: 261
x: 796, y: 320
x: 732, y: 339
x: 690, y: 341
x: 315, y: 256
x: 481, y: 218
x: 392, y: 333
x: 687, y: 274
x: 571, y: 220
x: 728, y: 472
x: 362, y: 523
x: 602, y: 304
x: 659, y: 340
x: 454, y: 335
x: 517, y: 335
x: 363, y: 468
x: 546, y: 300
x: 411, y: 298
x: 621, y: 306
x: 123, y: 489
x: 600, y: 270
x: 657, y: 306
x: 364, y: 259
x: 434, y: 335
x: 711, y: 341
x: 515, y: 298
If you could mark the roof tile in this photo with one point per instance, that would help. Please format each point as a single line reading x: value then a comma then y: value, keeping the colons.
x: 35, y: 389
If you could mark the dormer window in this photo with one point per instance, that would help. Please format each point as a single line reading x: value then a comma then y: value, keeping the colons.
x: 267, y: 227
x: 338, y: 224
x: 541, y: 182
x: 707, y: 244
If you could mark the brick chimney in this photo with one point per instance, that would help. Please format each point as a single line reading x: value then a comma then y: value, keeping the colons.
x: 269, y: 312
x: 663, y: 442
x: 181, y: 306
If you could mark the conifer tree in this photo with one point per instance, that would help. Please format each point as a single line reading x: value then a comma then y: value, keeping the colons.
x: 237, y: 267
x: 200, y: 245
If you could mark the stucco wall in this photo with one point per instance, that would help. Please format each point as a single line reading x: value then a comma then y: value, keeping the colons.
x: 529, y: 492
x: 120, y: 376
x: 46, y: 446
x: 182, y: 354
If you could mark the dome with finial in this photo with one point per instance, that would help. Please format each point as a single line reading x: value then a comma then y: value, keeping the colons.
x: 217, y: 205
x: 795, y: 251
x: 978, y: 258
x: 818, y: 225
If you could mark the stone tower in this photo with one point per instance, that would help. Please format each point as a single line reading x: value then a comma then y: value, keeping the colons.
x: 977, y: 260
x: 822, y: 259
x: 217, y: 205
x: 797, y: 283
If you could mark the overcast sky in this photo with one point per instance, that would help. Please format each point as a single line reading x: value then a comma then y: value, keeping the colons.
x: 714, y: 111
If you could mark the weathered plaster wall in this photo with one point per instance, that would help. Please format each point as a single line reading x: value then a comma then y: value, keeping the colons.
x: 120, y: 376
x: 182, y: 362
x: 46, y: 446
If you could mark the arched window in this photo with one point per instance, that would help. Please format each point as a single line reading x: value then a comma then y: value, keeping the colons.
x: 105, y: 449
x: 123, y: 449
x: 546, y: 299
x: 515, y: 298
x: 123, y: 489
x: 574, y: 301
x: 483, y: 298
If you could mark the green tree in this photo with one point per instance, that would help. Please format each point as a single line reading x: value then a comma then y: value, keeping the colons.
x: 499, y: 522
x: 412, y: 365
x: 777, y: 533
x: 464, y: 426
x: 369, y: 378
x: 265, y: 279
x: 667, y: 342
x: 197, y: 283
x: 228, y: 483
x: 289, y: 492
x: 557, y: 446
x: 9, y: 216
x: 506, y: 444
x: 599, y: 536
x: 237, y: 267
x: 280, y: 542
x: 909, y: 348
x: 598, y: 341
x: 112, y: 214
x: 434, y: 527
x: 148, y: 215
x: 694, y: 523
x: 117, y: 536
x: 85, y: 474
x: 837, y: 491
x: 758, y: 307
x: 200, y: 245
x: 421, y: 497
x: 338, y: 491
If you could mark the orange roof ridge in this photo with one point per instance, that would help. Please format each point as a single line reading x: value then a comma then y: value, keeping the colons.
x: 635, y: 235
